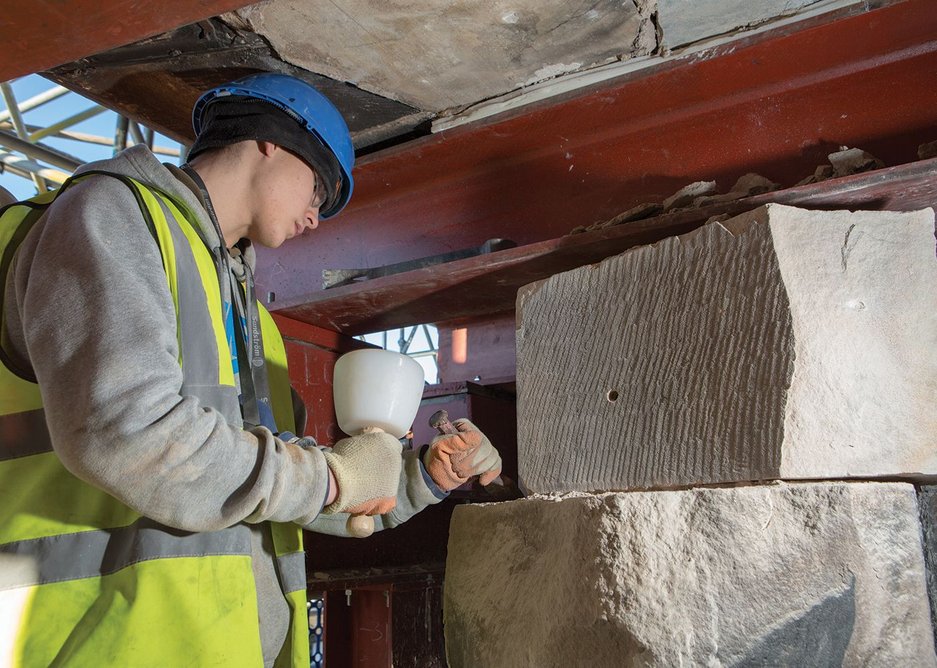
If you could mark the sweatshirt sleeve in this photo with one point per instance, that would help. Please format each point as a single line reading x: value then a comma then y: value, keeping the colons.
x: 97, y: 322
x: 415, y: 491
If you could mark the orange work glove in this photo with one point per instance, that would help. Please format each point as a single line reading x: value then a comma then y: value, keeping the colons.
x: 453, y: 459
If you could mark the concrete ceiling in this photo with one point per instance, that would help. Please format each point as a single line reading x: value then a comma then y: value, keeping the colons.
x: 396, y: 67
x: 443, y: 55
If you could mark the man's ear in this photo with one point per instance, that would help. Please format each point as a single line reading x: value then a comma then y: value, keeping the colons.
x: 267, y: 148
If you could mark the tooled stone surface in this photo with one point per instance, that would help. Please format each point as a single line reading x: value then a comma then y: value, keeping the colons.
x: 780, y: 344
x: 802, y: 574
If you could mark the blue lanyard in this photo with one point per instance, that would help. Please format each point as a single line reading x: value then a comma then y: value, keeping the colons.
x: 245, y: 343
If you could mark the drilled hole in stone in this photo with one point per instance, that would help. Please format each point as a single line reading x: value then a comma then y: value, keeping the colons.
x: 612, y: 396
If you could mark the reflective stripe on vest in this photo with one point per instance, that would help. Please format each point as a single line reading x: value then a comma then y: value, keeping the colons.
x: 98, y: 583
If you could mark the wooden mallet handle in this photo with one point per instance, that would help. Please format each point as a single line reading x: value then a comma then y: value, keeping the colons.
x: 360, y: 526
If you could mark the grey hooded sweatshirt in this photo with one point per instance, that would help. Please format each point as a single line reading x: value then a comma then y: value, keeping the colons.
x: 89, y: 310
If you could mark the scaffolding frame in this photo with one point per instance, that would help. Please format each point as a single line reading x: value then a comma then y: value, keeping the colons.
x: 405, y: 340
x: 23, y: 153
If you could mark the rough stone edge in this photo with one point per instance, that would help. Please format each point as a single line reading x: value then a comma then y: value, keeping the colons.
x: 927, y: 505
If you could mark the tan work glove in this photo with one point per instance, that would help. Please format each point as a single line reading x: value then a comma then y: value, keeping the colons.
x: 453, y: 459
x: 367, y: 469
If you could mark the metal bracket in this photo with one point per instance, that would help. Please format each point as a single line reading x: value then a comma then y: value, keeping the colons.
x: 333, y: 278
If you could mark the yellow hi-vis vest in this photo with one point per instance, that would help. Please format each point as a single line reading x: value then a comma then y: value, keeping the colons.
x: 93, y: 583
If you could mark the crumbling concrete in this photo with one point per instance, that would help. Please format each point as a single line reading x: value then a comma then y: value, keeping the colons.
x: 640, y: 212
x: 811, y: 574
x: 746, y: 186
x: 435, y: 56
x: 821, y: 173
x: 781, y: 344
x: 686, y: 21
x: 697, y: 195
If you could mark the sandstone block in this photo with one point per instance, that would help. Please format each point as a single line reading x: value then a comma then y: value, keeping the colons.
x: 780, y: 344
x: 803, y: 574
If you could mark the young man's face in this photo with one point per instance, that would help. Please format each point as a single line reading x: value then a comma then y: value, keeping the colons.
x: 289, y: 196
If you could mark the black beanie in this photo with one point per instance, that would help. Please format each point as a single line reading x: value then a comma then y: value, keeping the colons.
x: 233, y: 119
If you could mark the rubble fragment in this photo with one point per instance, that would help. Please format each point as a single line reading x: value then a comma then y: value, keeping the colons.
x: 853, y: 161
x: 640, y: 212
x: 686, y: 195
x: 845, y: 162
x: 822, y: 173
x: 709, y: 200
x: 927, y: 151
x: 754, y: 184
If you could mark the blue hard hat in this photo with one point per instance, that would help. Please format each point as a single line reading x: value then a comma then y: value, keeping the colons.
x: 301, y: 101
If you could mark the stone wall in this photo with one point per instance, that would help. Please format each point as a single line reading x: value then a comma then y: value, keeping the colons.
x: 700, y: 423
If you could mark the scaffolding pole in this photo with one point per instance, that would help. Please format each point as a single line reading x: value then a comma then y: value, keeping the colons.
x: 27, y: 168
x: 39, y: 152
x: 17, y: 119
x: 17, y: 138
x: 120, y: 134
x: 34, y: 102
x: 98, y: 140
x: 67, y: 122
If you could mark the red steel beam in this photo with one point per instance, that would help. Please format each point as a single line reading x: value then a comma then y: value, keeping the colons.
x: 486, y: 285
x: 42, y: 34
x: 311, y: 353
x: 776, y: 105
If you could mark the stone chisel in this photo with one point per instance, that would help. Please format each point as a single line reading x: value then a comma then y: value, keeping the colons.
x: 501, y: 488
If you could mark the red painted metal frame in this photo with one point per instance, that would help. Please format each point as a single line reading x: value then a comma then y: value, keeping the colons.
x: 483, y: 286
x: 42, y: 34
x: 486, y: 350
x: 775, y: 104
x: 395, y: 621
x: 311, y: 353
x: 358, y: 633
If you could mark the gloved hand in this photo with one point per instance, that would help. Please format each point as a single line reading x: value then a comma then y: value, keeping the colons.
x: 367, y: 469
x: 452, y: 459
